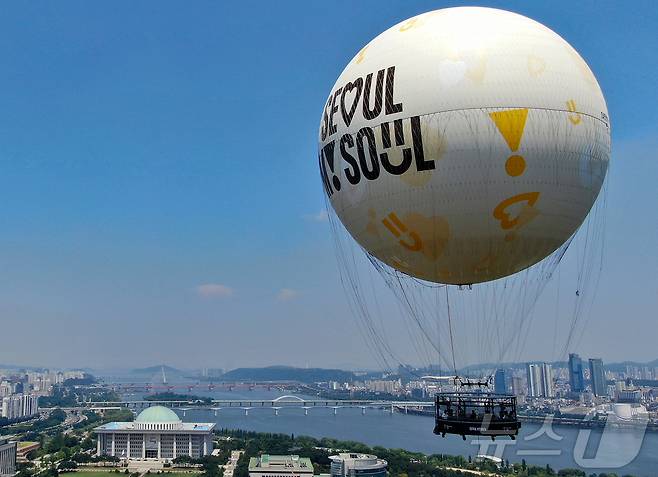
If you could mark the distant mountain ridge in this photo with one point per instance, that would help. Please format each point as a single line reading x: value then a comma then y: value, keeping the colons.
x: 313, y: 375
x: 622, y: 366
x: 289, y: 373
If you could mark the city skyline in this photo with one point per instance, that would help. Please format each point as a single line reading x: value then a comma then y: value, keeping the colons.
x: 162, y: 203
x: 171, y: 367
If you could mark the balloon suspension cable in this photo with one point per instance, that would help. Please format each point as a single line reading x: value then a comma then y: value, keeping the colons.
x: 452, y: 344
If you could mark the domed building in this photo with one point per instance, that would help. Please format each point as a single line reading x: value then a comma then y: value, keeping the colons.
x: 156, y: 433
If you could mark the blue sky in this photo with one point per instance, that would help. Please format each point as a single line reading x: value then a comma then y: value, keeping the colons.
x: 150, y: 148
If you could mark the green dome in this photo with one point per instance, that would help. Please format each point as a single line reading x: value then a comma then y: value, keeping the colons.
x: 157, y: 414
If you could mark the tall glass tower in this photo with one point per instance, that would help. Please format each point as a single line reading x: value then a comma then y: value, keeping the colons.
x: 500, y: 382
x: 598, y: 377
x: 576, y: 376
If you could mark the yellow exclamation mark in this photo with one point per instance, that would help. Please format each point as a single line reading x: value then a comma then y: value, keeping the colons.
x: 510, y: 124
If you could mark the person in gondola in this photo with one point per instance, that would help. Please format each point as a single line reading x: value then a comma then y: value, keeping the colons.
x: 473, y: 414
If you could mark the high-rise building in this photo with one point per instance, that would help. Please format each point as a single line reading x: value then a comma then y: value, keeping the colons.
x: 7, y: 389
x: 348, y: 464
x: 500, y: 382
x: 7, y: 457
x: 18, y: 406
x: 534, y: 380
x: 576, y: 376
x: 597, y: 375
x: 517, y: 386
x: 540, y: 380
x: 280, y: 465
x: 547, y: 380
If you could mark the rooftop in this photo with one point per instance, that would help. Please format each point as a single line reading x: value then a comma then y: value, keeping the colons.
x: 356, y: 460
x: 281, y: 463
x: 157, y: 414
x: 130, y: 426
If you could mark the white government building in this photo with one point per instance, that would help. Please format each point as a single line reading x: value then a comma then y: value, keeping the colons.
x: 157, y: 433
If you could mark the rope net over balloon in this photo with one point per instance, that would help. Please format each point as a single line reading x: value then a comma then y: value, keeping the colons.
x: 471, y: 330
x: 462, y: 154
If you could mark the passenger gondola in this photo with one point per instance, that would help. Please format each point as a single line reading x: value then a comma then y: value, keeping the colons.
x: 476, y: 414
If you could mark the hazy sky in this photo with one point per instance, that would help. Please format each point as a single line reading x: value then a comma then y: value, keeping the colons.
x: 159, y: 193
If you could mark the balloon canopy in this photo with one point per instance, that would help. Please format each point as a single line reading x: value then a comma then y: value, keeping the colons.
x: 464, y: 145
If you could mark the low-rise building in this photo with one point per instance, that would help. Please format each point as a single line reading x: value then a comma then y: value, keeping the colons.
x: 350, y: 464
x: 7, y: 457
x: 279, y: 465
x: 24, y: 448
x: 629, y: 395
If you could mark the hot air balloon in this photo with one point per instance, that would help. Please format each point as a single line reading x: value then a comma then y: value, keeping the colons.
x: 464, y: 147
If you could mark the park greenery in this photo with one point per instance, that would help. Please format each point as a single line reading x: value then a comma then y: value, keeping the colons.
x: 61, y: 451
x: 71, y: 394
x: 67, y: 451
x: 8, y: 422
x: 401, y: 463
x: 35, y: 426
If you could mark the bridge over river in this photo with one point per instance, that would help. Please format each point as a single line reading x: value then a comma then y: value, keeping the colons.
x: 287, y: 401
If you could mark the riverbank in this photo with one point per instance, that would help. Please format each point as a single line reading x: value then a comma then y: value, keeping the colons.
x: 559, y: 449
x: 401, y: 462
x: 557, y: 421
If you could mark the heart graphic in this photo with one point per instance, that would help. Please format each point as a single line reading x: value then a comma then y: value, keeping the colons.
x: 347, y: 116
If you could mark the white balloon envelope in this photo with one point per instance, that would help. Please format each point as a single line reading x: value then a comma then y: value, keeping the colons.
x: 464, y: 145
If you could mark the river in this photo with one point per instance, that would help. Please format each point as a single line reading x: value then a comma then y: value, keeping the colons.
x: 560, y: 447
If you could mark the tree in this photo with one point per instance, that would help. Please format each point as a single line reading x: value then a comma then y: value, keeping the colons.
x: 571, y: 473
x: 67, y: 465
x: 24, y: 469
x: 50, y: 472
x: 211, y: 467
